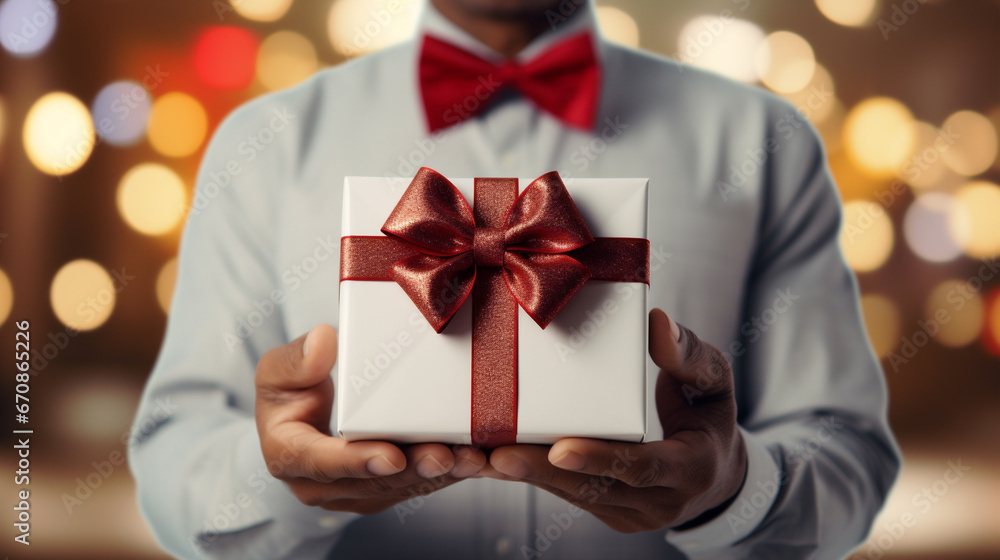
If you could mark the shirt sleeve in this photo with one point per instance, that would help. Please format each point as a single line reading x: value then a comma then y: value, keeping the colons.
x: 810, y: 391
x: 202, y: 481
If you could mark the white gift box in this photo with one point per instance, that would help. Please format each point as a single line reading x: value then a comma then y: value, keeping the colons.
x: 582, y: 376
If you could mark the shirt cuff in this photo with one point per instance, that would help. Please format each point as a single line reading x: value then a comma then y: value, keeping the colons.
x: 741, y: 518
x: 256, y: 498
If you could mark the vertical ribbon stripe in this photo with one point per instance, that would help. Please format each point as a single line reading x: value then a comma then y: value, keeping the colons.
x: 494, y: 329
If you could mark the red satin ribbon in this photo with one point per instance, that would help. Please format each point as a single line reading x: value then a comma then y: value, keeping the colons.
x: 532, y: 250
x: 456, y: 84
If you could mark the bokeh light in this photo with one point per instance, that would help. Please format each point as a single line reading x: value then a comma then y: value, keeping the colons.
x: 225, y: 57
x: 851, y: 13
x: 817, y: 100
x: 785, y: 62
x: 879, y: 135
x: 994, y: 116
x: 975, y: 219
x: 958, y: 311
x: 97, y: 410
x: 618, y: 26
x: 723, y: 46
x: 924, y: 169
x: 285, y: 58
x: 973, y: 147
x: 151, y: 198
x: 261, y: 10
x: 852, y: 182
x: 831, y: 127
x: 6, y: 296
x: 882, y: 322
x: 867, y: 237
x: 177, y: 125
x: 121, y: 112
x: 165, y: 282
x: 82, y: 295
x: 27, y: 26
x: 356, y: 27
x: 58, y: 134
x: 927, y: 228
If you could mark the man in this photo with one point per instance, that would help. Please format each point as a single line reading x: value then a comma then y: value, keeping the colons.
x: 786, y: 454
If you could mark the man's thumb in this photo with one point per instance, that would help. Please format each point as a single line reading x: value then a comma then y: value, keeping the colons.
x: 664, y: 347
x: 688, y: 361
x: 305, y: 362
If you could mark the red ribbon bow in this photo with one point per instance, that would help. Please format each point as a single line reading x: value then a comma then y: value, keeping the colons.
x: 529, y: 245
x: 534, y: 250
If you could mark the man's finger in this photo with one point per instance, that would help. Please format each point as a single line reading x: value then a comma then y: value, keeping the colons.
x: 611, y: 507
x: 430, y: 460
x: 297, y: 449
x: 408, y: 483
x: 469, y: 461
x: 530, y: 463
x: 659, y: 463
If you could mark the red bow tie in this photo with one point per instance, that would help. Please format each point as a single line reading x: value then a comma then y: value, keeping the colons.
x: 457, y: 84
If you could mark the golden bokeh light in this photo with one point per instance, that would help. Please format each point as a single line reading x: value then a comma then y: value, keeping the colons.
x: 994, y: 116
x: 975, y: 219
x: 58, y: 134
x: 973, y: 147
x: 618, y: 26
x: 177, y: 125
x: 879, y: 135
x: 867, y: 236
x: 165, y: 282
x: 882, y: 322
x: 817, y: 100
x: 6, y: 296
x: 726, y: 46
x: 850, y: 13
x: 82, y: 295
x: 785, y: 62
x: 261, y: 10
x: 851, y: 181
x: 925, y: 169
x: 151, y: 198
x: 356, y: 27
x: 285, y: 58
x: 831, y: 128
x: 957, y: 311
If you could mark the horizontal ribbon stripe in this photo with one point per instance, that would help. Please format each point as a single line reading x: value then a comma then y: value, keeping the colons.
x: 611, y: 259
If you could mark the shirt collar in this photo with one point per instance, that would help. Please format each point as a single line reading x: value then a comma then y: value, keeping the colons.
x: 561, y: 27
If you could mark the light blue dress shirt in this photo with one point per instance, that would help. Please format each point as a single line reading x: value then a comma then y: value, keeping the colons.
x: 743, y: 222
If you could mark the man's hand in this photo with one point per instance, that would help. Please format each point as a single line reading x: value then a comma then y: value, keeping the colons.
x: 698, y: 466
x: 294, y: 399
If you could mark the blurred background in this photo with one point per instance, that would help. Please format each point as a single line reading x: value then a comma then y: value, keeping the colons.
x: 106, y: 107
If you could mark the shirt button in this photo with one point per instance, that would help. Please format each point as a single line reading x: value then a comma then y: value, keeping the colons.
x: 509, y: 159
x: 503, y: 546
